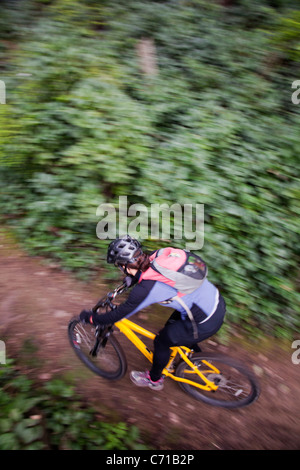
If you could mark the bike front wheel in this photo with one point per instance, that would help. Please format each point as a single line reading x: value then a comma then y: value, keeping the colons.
x: 102, y: 354
x: 237, y: 386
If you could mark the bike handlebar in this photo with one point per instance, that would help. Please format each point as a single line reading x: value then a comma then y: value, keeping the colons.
x: 107, y: 300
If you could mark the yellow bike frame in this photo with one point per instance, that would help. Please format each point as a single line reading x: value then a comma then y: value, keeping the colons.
x: 129, y: 329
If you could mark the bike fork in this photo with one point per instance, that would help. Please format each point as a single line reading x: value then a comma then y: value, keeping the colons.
x: 101, y: 340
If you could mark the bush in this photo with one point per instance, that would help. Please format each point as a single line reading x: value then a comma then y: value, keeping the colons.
x: 88, y: 126
x: 54, y: 417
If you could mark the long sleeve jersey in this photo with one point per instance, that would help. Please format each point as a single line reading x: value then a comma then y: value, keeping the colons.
x: 202, y: 302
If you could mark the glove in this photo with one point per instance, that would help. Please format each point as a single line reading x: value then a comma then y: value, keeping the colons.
x: 87, y: 316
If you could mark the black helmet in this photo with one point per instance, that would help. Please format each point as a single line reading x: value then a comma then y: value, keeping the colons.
x: 124, y: 250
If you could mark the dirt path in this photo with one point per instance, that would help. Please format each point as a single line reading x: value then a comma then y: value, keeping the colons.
x: 37, y: 302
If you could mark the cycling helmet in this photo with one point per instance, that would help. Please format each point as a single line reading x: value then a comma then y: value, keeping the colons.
x: 124, y: 250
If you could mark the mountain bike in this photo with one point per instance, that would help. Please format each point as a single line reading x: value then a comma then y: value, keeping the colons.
x: 209, y: 377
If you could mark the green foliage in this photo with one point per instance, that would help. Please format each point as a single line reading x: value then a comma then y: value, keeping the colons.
x: 216, y: 125
x: 286, y: 38
x: 53, y: 417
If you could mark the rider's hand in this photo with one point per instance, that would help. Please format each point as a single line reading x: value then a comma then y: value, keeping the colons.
x: 88, y: 316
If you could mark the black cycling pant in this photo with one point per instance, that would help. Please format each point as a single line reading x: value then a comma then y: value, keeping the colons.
x: 178, y: 332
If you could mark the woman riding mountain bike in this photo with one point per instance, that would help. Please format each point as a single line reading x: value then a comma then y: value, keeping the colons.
x: 196, y: 318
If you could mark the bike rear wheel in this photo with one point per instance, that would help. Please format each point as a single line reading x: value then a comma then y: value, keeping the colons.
x: 102, y: 355
x: 237, y: 386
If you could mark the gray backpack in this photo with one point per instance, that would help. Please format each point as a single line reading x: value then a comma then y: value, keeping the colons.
x: 181, y: 269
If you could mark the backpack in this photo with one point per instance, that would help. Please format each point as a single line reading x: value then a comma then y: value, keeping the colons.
x: 180, y: 269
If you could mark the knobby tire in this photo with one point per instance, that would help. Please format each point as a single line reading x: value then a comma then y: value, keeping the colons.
x: 238, y: 387
x: 109, y: 361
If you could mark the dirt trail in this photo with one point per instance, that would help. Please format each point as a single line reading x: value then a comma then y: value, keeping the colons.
x: 37, y: 302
